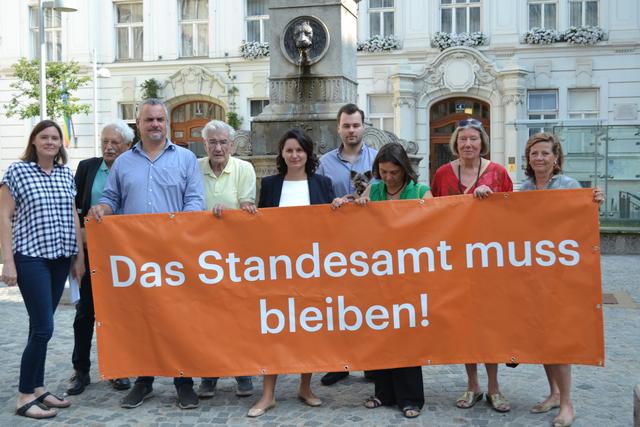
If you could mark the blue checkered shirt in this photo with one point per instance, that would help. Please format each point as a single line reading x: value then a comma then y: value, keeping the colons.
x: 42, y: 222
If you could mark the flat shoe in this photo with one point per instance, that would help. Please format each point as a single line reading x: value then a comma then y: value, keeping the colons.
x: 23, y: 411
x: 311, y: 401
x: 257, y: 412
x: 542, y: 407
x: 560, y: 422
x: 498, y: 402
x: 469, y: 399
x: 63, y: 404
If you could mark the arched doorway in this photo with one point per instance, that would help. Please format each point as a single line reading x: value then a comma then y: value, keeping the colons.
x: 444, y: 117
x: 187, y: 121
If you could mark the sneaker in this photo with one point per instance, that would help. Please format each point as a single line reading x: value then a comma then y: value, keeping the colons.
x: 187, y: 398
x: 244, y: 387
x: 333, y: 377
x: 207, y: 387
x: 136, y: 396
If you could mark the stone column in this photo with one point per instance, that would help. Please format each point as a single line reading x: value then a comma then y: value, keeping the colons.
x: 404, y: 105
x: 514, y: 107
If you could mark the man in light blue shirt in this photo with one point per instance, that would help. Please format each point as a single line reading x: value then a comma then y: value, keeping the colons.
x: 154, y: 176
x: 351, y: 155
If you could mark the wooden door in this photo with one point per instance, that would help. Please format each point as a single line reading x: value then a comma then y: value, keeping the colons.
x: 187, y: 121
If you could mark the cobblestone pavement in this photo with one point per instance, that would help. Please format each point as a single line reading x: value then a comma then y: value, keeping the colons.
x: 602, y: 396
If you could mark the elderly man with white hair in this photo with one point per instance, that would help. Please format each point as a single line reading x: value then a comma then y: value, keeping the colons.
x: 91, y: 178
x: 229, y: 183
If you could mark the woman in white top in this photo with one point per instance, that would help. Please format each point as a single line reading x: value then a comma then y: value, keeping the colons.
x: 296, y: 184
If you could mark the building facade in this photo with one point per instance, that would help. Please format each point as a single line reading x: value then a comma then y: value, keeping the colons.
x: 521, y: 69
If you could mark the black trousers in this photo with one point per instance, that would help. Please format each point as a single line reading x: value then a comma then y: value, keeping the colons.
x: 83, y: 323
x: 400, y: 386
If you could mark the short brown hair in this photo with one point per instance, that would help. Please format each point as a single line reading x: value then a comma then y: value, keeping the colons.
x: 470, y: 124
x: 556, y: 148
x: 30, y: 154
x: 349, y: 109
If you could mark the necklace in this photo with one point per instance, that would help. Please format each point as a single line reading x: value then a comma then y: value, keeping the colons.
x: 395, y: 192
x: 544, y: 184
x: 460, y: 176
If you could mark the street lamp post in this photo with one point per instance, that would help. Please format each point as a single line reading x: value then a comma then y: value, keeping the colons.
x: 61, y: 6
x: 97, y: 73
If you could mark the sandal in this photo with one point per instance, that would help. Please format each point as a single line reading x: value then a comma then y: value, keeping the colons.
x: 372, y: 402
x: 498, y: 402
x: 63, y: 403
x: 411, y: 411
x: 469, y: 399
x: 542, y: 407
x: 23, y: 411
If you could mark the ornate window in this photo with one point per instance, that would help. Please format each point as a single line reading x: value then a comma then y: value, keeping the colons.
x: 194, y: 27
x: 459, y: 16
x: 542, y: 14
x: 583, y: 13
x: 542, y: 105
x: 583, y: 103
x: 381, y: 15
x: 129, y: 31
x: 257, y: 21
x: 52, y: 33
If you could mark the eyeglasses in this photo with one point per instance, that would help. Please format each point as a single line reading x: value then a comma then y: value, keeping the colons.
x: 220, y: 142
x: 470, y: 122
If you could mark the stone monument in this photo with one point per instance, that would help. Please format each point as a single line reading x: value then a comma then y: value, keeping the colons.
x: 312, y: 71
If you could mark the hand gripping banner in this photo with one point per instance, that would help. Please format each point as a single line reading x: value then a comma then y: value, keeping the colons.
x: 514, y: 278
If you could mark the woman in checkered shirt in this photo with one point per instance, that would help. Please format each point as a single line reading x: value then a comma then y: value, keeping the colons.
x: 40, y: 237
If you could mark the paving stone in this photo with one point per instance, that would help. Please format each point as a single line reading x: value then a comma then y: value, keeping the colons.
x: 603, y: 396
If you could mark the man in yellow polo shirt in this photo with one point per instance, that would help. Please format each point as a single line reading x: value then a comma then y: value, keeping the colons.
x: 229, y: 183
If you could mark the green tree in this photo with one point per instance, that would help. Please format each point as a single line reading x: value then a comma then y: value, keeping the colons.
x: 63, y: 79
x: 150, y: 88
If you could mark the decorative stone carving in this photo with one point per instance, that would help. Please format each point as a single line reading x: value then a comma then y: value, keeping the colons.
x: 514, y: 98
x: 305, y: 40
x: 542, y: 74
x: 264, y: 165
x: 459, y: 69
x: 411, y: 147
x: 312, y: 90
x: 376, y: 138
x: 405, y: 101
x: 243, y: 143
x: 584, y: 72
x: 194, y: 80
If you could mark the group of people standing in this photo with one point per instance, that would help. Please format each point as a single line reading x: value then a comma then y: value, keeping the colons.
x: 42, y: 208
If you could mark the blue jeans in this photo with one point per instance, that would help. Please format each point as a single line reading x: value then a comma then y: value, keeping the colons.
x: 41, y: 282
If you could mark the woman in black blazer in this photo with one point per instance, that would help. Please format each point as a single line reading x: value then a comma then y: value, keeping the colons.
x: 296, y: 184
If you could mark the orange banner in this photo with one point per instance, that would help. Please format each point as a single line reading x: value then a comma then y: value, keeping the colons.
x: 514, y: 278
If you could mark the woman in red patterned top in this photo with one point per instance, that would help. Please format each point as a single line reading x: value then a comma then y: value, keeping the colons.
x: 471, y: 174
